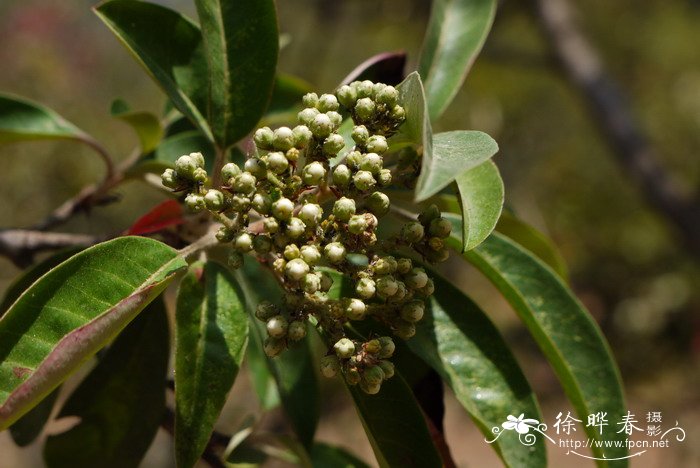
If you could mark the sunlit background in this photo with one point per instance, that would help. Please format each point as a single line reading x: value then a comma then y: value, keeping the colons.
x: 626, y: 261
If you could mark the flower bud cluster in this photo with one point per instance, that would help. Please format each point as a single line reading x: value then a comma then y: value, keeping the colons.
x: 305, y: 218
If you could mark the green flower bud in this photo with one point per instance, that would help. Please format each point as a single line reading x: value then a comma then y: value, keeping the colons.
x: 344, y: 209
x: 377, y: 144
x: 335, y: 252
x: 378, y: 203
x: 266, y: 310
x: 357, y: 224
x: 412, y: 232
x: 330, y: 366
x: 404, y: 265
x: 271, y: 225
x: 296, y: 269
x: 341, y: 175
x: 311, y: 283
x: 439, y: 255
x: 235, y: 260
x: 344, y: 348
x: 352, y: 376
x: 428, y: 289
x: 283, y: 138
x: 311, y: 214
x: 326, y: 282
x: 277, y: 326
x: 310, y: 254
x: 372, y: 346
x: 200, y: 175
x: 302, y: 136
x: 388, y: 347
x: 224, y: 234
x: 277, y: 162
x: 398, y: 113
x: 366, y: 288
x: 185, y: 167
x: 263, y: 138
x: 291, y: 251
x: 244, y: 183
x: 297, y: 330
x: 404, y: 330
x: 388, y: 369
x: 307, y: 115
x: 365, y: 109
x: 327, y: 102
x: 310, y: 100
x: 214, y: 200
x: 440, y: 227
x: 273, y: 346
x: 256, y: 167
x: 355, y: 309
x: 385, y: 265
x: 373, y: 375
x: 278, y: 266
x: 416, y: 278
x: 364, y: 88
x: 354, y: 158
x: 262, y: 203
x: 333, y: 144
x: 295, y: 228
x: 195, y: 202
x: 229, y: 170
x: 429, y: 214
x: 321, y: 126
x: 388, y: 96
x: 198, y: 159
x: 313, y: 174
x: 363, y: 181
x: 413, y: 311
x: 347, y: 96
x: 243, y: 242
x: 384, y: 177
x: 336, y: 119
x: 262, y: 244
x: 386, y: 286
x: 360, y: 134
x: 170, y: 179
x: 401, y: 293
x: 370, y: 389
x: 282, y: 209
x: 371, y: 162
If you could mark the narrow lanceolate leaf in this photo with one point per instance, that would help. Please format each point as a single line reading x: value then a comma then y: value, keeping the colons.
x: 481, y: 199
x: 242, y: 43
x: 121, y: 402
x: 73, y: 311
x: 146, y: 125
x: 454, y: 153
x: 459, y: 341
x: 168, y: 46
x: 260, y: 376
x: 212, y: 334
x: 395, y: 425
x: 293, y: 370
x: 456, y: 33
x: 564, y: 330
x: 327, y: 455
x: 22, y: 120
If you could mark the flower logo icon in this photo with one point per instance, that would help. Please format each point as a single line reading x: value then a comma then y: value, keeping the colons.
x: 519, y: 424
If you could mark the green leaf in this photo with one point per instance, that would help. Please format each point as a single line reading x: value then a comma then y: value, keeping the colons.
x: 242, y: 43
x: 454, y: 153
x: 168, y: 46
x: 458, y: 340
x: 481, y: 199
x: 563, y: 329
x: 121, y: 402
x: 23, y: 120
x: 327, y: 455
x: 287, y: 93
x: 185, y: 143
x: 534, y: 241
x: 416, y: 129
x: 260, y: 376
x: 73, y: 311
x: 146, y: 125
x: 212, y: 334
x: 395, y: 425
x: 293, y: 370
x: 456, y: 32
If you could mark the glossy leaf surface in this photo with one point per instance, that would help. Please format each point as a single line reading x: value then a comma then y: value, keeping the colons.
x: 481, y: 196
x: 22, y: 120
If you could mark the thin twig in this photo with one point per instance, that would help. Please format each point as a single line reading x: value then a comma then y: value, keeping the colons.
x: 585, y: 70
x: 104, y: 154
x: 20, y: 245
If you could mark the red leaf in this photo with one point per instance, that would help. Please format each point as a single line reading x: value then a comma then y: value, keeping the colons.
x: 168, y: 213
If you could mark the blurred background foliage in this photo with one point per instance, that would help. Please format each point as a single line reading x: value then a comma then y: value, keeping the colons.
x: 626, y: 262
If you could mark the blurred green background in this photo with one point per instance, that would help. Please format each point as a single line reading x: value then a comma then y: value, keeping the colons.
x: 626, y: 262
